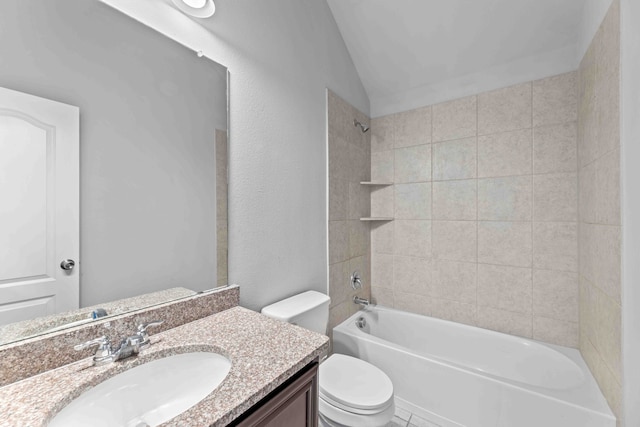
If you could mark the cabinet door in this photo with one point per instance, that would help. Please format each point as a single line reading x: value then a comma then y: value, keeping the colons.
x: 295, y: 404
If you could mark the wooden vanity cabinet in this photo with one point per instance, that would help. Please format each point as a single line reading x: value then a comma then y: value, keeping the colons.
x: 293, y: 404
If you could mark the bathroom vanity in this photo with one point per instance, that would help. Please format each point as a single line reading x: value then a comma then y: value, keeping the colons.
x: 272, y: 380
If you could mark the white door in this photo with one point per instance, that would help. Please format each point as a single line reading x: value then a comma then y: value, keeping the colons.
x: 39, y: 206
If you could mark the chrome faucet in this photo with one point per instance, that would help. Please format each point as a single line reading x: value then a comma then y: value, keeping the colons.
x: 129, y: 346
x: 360, y: 301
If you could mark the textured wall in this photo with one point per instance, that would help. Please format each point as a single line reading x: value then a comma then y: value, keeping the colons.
x: 599, y: 207
x: 349, y: 241
x: 485, y: 207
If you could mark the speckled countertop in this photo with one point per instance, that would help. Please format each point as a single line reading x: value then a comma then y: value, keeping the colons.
x: 264, y: 353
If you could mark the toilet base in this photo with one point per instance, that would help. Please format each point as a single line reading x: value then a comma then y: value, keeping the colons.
x: 331, y: 416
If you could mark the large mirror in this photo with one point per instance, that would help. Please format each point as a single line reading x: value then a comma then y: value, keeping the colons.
x: 113, y: 166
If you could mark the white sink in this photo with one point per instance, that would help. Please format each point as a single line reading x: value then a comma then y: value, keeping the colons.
x: 147, y: 395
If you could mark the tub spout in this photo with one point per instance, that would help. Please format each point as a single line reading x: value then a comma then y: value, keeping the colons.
x: 360, y: 301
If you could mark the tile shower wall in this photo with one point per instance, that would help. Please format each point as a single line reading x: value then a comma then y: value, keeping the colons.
x: 485, y: 206
x: 599, y: 208
x: 349, y: 241
x: 222, y: 203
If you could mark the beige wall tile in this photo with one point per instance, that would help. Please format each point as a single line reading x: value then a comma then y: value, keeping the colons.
x: 340, y: 117
x: 505, y: 288
x: 412, y: 164
x: 382, y: 202
x: 382, y: 134
x: 608, y: 333
x: 359, y: 201
x: 338, y: 178
x: 381, y: 271
x: 504, y: 243
x: 382, y: 239
x: 455, y: 200
x: 555, y: 99
x: 608, y: 188
x: 339, y: 314
x: 587, y: 251
x: 413, y: 238
x: 382, y: 296
x: 358, y: 238
x: 555, y: 148
x: 588, y: 308
x: 338, y: 241
x: 505, y: 321
x: 454, y: 240
x: 554, y: 331
x: 454, y: 281
x: 505, y: 199
x: 359, y: 166
x: 455, y: 159
x: 607, y: 254
x: 361, y: 264
x: 338, y: 198
x: 454, y: 311
x: 455, y: 119
x: 339, y: 285
x: 412, y: 127
x: 504, y: 109
x: 555, y: 246
x: 555, y: 295
x: 607, y: 84
x: 412, y: 275
x: 413, y: 201
x: 587, y: 201
x: 505, y: 154
x: 555, y: 197
x: 412, y: 303
x: 382, y: 166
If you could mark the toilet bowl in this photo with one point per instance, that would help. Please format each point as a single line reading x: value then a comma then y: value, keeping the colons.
x: 353, y: 393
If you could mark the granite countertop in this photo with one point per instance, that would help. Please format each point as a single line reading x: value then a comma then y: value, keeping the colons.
x: 264, y: 354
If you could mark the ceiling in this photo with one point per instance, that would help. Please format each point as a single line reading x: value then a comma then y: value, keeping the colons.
x: 410, y: 53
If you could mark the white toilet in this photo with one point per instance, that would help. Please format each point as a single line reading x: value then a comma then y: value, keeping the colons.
x: 353, y: 393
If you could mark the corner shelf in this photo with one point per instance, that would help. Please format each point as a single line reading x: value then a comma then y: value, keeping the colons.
x: 376, y: 183
x: 384, y: 218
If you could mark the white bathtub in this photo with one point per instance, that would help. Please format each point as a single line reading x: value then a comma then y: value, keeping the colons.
x: 457, y: 375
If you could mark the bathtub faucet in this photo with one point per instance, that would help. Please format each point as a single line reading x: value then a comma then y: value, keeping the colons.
x: 360, y: 301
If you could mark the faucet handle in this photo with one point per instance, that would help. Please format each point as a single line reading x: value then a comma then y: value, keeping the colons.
x: 143, y: 335
x: 142, y: 328
x: 104, y: 352
x: 102, y: 343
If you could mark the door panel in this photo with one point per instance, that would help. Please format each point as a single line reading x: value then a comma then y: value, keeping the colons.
x: 39, y: 208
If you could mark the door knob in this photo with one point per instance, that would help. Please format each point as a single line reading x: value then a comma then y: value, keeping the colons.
x: 67, y: 264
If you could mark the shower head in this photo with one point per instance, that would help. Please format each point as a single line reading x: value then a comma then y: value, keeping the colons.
x: 363, y: 128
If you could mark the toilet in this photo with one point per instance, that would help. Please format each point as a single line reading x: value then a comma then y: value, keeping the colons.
x: 353, y: 393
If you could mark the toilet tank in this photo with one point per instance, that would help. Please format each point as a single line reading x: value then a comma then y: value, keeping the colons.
x: 309, y: 309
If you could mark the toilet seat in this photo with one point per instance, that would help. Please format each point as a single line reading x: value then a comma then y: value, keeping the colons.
x: 354, y: 385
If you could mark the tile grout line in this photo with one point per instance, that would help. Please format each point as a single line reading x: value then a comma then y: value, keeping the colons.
x: 477, y: 314
x: 532, y: 206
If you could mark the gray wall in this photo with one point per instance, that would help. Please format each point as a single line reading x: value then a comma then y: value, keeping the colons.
x: 148, y: 112
x: 282, y: 55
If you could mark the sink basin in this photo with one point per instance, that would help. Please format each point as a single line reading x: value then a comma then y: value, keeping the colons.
x: 149, y: 394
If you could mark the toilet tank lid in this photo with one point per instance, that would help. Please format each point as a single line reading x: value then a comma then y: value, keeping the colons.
x: 293, y: 306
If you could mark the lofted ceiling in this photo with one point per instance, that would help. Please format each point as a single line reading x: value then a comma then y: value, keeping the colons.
x: 410, y: 53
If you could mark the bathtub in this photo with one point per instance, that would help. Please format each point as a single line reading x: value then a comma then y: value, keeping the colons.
x: 457, y: 375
